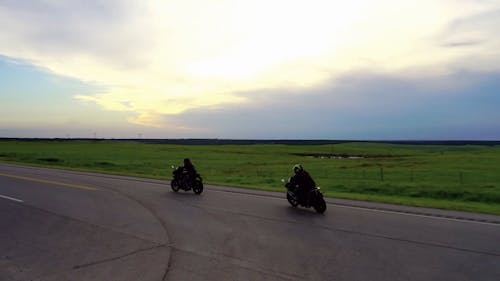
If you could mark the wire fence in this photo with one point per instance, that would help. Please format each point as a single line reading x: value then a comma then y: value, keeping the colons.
x: 388, y: 175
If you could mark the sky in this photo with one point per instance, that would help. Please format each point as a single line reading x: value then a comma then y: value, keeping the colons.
x: 250, y: 69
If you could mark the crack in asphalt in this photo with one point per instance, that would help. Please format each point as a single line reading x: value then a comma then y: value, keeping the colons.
x: 410, y: 241
x: 107, y: 228
x: 241, y: 263
x: 154, y: 214
x: 121, y: 193
x: 119, y: 257
x: 354, y: 232
x: 236, y: 261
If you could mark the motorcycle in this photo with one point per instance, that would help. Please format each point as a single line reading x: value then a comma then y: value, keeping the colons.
x: 314, y: 199
x: 181, y: 180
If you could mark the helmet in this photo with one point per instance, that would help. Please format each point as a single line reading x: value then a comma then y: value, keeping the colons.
x: 297, y: 168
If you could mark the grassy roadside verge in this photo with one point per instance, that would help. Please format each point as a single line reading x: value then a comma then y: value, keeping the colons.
x: 463, y: 178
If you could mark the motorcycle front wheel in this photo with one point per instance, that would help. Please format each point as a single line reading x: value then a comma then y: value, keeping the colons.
x: 175, y: 185
x: 320, y: 205
x: 198, y: 187
x: 292, y: 199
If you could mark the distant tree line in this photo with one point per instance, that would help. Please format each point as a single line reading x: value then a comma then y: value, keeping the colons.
x: 261, y: 141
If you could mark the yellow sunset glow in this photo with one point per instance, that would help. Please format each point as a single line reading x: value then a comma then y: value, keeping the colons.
x: 175, y: 56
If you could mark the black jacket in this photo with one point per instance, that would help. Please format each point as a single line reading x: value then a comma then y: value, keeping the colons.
x: 188, y: 167
x: 302, y: 179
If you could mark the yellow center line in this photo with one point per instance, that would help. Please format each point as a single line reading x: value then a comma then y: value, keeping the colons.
x: 49, y: 182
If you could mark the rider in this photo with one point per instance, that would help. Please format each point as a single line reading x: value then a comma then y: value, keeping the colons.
x: 189, y: 169
x: 303, y: 181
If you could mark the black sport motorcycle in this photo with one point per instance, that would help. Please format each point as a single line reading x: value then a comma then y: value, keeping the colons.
x: 182, y: 180
x: 313, y: 199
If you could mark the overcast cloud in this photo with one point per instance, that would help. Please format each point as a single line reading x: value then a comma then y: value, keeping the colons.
x: 265, y: 69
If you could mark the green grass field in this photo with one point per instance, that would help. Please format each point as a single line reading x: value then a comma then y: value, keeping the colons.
x: 449, y: 177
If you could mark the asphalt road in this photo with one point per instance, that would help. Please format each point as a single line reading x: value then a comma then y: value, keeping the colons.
x: 62, y: 225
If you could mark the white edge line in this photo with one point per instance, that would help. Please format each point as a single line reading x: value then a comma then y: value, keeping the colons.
x: 11, y: 198
x: 376, y: 210
x: 414, y: 215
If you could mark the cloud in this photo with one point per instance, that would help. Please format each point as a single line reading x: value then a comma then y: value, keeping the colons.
x: 462, y: 43
x: 164, y: 58
x: 362, y: 105
x: 48, y: 32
